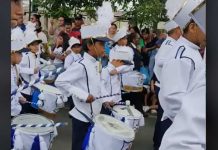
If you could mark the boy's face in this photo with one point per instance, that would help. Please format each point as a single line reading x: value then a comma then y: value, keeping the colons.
x: 76, y: 49
x: 34, y: 47
x: 16, y: 11
x: 123, y: 41
x: 97, y: 48
x: 117, y: 63
x: 16, y: 57
x: 68, y: 28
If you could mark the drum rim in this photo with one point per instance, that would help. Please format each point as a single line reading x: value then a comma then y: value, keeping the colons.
x: 44, y: 90
x: 34, y: 133
x: 128, y: 117
x: 101, y: 127
x: 47, y: 66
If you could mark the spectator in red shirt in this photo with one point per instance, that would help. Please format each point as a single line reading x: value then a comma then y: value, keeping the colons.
x: 78, y: 22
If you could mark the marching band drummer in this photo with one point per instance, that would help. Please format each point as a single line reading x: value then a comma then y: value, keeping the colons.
x: 75, y: 49
x: 120, y: 39
x: 30, y: 65
x: 192, y: 135
x: 82, y: 81
x: 16, y: 56
x: 178, y: 72
x: 111, y: 84
x: 174, y: 33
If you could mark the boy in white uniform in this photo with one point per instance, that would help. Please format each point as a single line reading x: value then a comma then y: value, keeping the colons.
x: 16, y: 56
x: 75, y: 49
x: 82, y: 80
x: 30, y: 63
x: 192, y: 135
x: 162, y: 56
x: 111, y: 84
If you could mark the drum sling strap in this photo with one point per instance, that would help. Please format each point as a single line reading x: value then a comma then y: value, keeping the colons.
x: 87, y: 81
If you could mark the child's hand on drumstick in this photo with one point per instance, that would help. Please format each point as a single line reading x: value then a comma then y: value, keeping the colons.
x: 108, y: 104
x: 90, y: 99
x: 22, y: 100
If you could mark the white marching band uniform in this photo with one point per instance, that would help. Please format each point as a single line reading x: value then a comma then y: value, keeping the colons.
x: 17, y: 44
x: 79, y: 80
x: 189, y: 125
x: 72, y: 57
x: 162, y: 55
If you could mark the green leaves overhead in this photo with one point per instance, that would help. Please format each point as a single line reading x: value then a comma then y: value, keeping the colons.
x: 141, y: 12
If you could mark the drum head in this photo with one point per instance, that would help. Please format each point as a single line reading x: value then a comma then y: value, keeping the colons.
x: 33, y: 119
x: 114, y: 127
x: 48, y: 68
x: 47, y: 88
x: 122, y: 110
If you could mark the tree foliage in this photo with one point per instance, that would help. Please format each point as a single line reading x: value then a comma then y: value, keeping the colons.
x: 141, y: 12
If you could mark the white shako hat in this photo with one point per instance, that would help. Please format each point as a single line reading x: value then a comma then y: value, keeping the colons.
x: 122, y: 32
x: 179, y: 10
x: 199, y: 15
x: 123, y: 53
x: 170, y: 25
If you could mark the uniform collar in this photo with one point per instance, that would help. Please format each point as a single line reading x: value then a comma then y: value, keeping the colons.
x: 170, y: 38
x: 89, y: 57
x: 188, y: 43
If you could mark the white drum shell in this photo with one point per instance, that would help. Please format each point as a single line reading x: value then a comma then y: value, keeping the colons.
x: 102, y: 139
x: 47, y: 69
x: 28, y: 134
x: 133, y: 78
x: 134, y: 121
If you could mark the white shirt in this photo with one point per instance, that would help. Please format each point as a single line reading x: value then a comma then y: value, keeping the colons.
x: 188, y: 131
x: 110, y: 84
x: 162, y: 56
x: 29, y: 62
x: 15, y: 105
x: 176, y: 76
x: 58, y: 51
x: 72, y: 57
x: 74, y: 82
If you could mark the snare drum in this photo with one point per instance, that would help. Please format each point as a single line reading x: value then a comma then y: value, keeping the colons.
x: 132, y: 81
x: 50, y: 97
x: 47, y: 69
x: 121, y: 113
x: 25, y: 138
x: 109, y: 133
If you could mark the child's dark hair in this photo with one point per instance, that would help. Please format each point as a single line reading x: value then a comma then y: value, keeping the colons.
x: 65, y: 40
x: 86, y: 42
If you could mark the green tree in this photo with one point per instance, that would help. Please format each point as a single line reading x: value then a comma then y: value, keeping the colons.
x: 141, y: 12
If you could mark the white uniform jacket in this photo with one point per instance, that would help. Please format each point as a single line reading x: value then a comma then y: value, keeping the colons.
x: 79, y: 80
x: 162, y: 55
x: 177, y: 75
x: 188, y: 131
x: 110, y: 84
x: 72, y: 57
x: 29, y: 62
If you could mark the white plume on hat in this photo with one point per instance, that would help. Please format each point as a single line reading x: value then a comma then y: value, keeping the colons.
x: 99, y: 29
x: 122, y: 32
x: 173, y: 6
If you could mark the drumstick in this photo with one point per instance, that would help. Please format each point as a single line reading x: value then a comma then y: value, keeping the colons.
x: 59, y: 124
x: 31, y: 83
x: 107, y: 96
x: 128, y: 108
